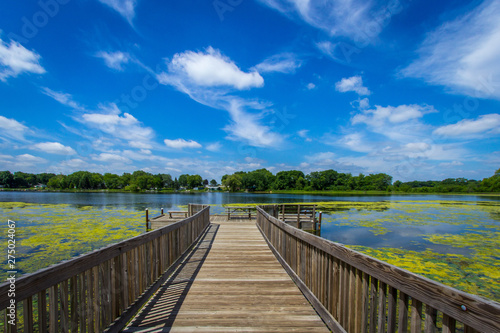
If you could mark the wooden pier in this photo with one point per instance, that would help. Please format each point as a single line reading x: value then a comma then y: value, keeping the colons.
x: 230, y: 282
x: 209, y: 274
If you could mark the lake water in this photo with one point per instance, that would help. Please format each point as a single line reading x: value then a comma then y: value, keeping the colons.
x: 454, y: 239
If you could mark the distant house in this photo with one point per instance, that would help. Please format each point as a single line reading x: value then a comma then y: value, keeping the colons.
x: 213, y: 188
x: 40, y: 186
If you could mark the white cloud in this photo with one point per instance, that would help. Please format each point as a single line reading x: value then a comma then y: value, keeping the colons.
x: 353, y: 141
x: 311, y: 86
x: 54, y: 148
x: 208, y: 69
x: 488, y: 124
x: 63, y: 98
x: 379, y: 116
x: 208, y: 78
x: 125, y: 8
x: 356, y: 19
x: 324, y: 158
x: 283, y: 63
x: 304, y: 134
x: 451, y: 164
x: 29, y: 159
x: 11, y: 128
x: 114, y: 60
x: 214, y: 147
x: 124, y: 127
x: 245, y: 127
x: 111, y: 158
x: 463, y: 54
x: 181, y: 143
x: 354, y: 83
x: 16, y: 59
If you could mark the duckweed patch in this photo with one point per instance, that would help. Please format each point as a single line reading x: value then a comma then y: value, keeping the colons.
x: 458, y: 241
x: 46, y: 234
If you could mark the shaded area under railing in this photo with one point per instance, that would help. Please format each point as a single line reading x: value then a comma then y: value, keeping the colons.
x: 353, y: 292
x: 88, y: 293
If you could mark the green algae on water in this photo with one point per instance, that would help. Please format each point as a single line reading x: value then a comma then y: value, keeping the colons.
x: 46, y: 234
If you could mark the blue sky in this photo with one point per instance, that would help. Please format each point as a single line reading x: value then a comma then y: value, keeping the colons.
x: 409, y: 88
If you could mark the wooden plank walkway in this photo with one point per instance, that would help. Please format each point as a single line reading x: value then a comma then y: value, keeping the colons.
x: 230, y: 282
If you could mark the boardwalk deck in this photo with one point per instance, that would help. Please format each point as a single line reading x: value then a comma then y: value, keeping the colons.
x: 230, y: 282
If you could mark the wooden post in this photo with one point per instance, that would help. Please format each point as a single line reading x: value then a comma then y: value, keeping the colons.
x: 147, y: 219
x: 298, y: 216
x: 162, y: 211
x: 319, y: 222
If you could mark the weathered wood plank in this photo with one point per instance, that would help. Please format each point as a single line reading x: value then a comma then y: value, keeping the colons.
x: 234, y: 284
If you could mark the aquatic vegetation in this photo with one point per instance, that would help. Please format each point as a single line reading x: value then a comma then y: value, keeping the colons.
x: 47, y: 234
x: 454, y: 242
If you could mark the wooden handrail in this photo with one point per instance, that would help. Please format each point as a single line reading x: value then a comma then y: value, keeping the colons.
x: 358, y: 293
x: 91, y: 290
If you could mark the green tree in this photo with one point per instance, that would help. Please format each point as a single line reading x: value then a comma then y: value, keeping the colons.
x: 183, y: 180
x: 194, y: 181
x: 112, y: 181
x: 233, y: 182
x: 213, y: 182
x: 286, y: 180
x: 6, y: 179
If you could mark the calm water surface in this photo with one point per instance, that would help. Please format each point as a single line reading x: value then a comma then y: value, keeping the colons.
x: 400, y: 229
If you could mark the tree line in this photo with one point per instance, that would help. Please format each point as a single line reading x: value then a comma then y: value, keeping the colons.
x: 85, y: 180
x: 331, y: 180
x: 257, y: 180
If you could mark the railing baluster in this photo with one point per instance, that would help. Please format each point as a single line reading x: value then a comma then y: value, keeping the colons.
x: 28, y: 314
x: 352, y: 299
x: 82, y: 308
x: 342, y: 290
x: 73, y: 303
x: 448, y: 324
x: 336, y: 289
x: 430, y: 319
x: 391, y: 309
x: 382, y: 300
x: 96, y: 304
x: 358, y: 312
x: 403, y: 313
x: 64, y: 306
x: 90, y: 300
x: 42, y: 311
x: 416, y: 316
x: 373, y: 305
x: 364, y: 318
x: 53, y: 309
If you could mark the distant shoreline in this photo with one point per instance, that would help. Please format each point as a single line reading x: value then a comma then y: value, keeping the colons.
x: 297, y: 192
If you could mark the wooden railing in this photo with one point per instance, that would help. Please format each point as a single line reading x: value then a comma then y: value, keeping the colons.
x: 356, y: 293
x: 102, y: 288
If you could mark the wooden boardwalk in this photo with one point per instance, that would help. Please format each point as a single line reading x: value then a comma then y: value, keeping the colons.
x: 230, y: 282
